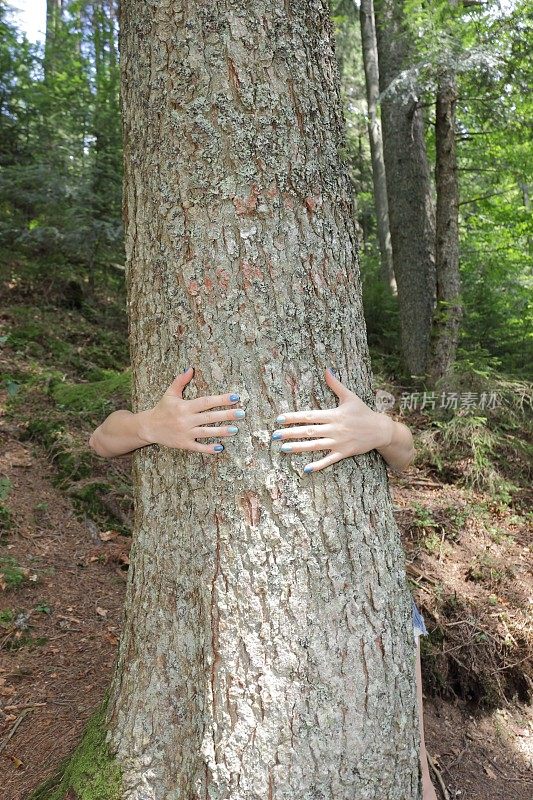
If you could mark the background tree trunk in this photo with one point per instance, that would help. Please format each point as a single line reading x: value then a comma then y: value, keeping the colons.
x: 268, y: 649
x: 370, y: 63
x: 54, y: 12
x: 411, y: 212
x: 448, y: 311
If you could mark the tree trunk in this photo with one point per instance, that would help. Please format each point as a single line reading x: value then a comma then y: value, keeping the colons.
x: 370, y: 63
x: 267, y: 650
x: 448, y: 311
x: 54, y: 11
x: 411, y: 212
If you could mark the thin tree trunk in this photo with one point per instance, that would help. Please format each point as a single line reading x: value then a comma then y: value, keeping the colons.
x: 411, y: 211
x: 370, y: 63
x: 54, y: 10
x: 267, y: 650
x: 448, y: 311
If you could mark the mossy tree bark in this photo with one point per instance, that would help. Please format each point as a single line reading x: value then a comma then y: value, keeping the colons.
x: 411, y: 210
x: 448, y: 311
x: 379, y: 182
x: 267, y: 650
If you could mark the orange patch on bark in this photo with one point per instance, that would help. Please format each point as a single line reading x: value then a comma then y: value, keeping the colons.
x: 249, y: 272
x: 223, y: 278
x: 246, y: 205
x: 193, y: 288
x: 288, y: 202
x: 249, y: 503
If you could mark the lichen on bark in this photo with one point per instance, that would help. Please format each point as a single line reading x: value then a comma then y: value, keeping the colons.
x: 267, y: 649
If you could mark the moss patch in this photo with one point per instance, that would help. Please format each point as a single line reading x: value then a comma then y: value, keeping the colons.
x: 90, y: 773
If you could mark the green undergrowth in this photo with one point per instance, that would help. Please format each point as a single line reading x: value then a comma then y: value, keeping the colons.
x: 90, y: 773
x: 487, y: 445
x: 95, y: 397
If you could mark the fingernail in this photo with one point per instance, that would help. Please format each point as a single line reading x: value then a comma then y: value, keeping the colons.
x: 276, y: 435
x: 332, y: 372
x: 218, y: 447
x: 186, y: 369
x: 280, y: 419
x: 308, y: 468
x: 286, y: 448
x: 233, y: 429
x: 234, y: 397
x: 240, y: 413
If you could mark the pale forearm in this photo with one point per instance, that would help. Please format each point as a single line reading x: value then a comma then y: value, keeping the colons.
x: 121, y: 432
x: 399, y: 450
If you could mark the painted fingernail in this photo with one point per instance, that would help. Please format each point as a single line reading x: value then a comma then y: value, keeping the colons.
x: 277, y: 435
x: 281, y: 419
x: 308, y: 468
x: 186, y: 369
x: 286, y: 448
x: 234, y: 397
x: 218, y: 448
x: 332, y: 371
x: 240, y: 413
x: 233, y: 429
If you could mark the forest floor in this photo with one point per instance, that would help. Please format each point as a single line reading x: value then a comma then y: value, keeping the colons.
x: 57, y: 656
x: 63, y: 568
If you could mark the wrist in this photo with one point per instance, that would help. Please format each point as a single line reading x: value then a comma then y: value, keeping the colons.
x: 144, y: 431
x: 385, y: 431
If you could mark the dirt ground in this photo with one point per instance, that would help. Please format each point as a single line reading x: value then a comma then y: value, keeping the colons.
x: 57, y: 655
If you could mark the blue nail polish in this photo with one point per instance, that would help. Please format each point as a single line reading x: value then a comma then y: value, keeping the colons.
x: 281, y: 419
x: 186, y: 369
x: 234, y: 397
x: 240, y: 413
x: 233, y: 429
x: 332, y: 371
x: 218, y: 447
x: 308, y: 468
x: 286, y: 448
x: 276, y: 435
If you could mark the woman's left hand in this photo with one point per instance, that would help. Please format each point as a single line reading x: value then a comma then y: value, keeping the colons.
x: 348, y: 430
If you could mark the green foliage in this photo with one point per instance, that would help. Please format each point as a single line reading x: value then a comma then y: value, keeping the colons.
x: 97, y: 396
x: 486, y: 46
x: 11, y: 573
x: 6, y: 617
x: 60, y: 151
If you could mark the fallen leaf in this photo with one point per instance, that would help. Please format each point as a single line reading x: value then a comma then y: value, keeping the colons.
x: 16, y: 761
x: 490, y: 772
x: 102, y: 612
x: 106, y: 536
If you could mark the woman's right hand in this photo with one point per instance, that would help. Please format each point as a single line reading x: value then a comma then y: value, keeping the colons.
x: 175, y: 422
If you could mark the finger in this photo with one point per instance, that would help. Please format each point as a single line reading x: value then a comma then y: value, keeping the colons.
x: 304, y: 447
x: 316, y: 466
x: 209, y: 417
x: 303, y: 432
x: 180, y: 382
x: 223, y: 430
x: 336, y: 386
x: 212, y: 401
x: 316, y: 415
x: 199, y: 447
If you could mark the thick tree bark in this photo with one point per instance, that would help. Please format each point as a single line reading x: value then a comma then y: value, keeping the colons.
x: 370, y: 63
x: 448, y: 312
x: 411, y: 212
x: 267, y: 650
